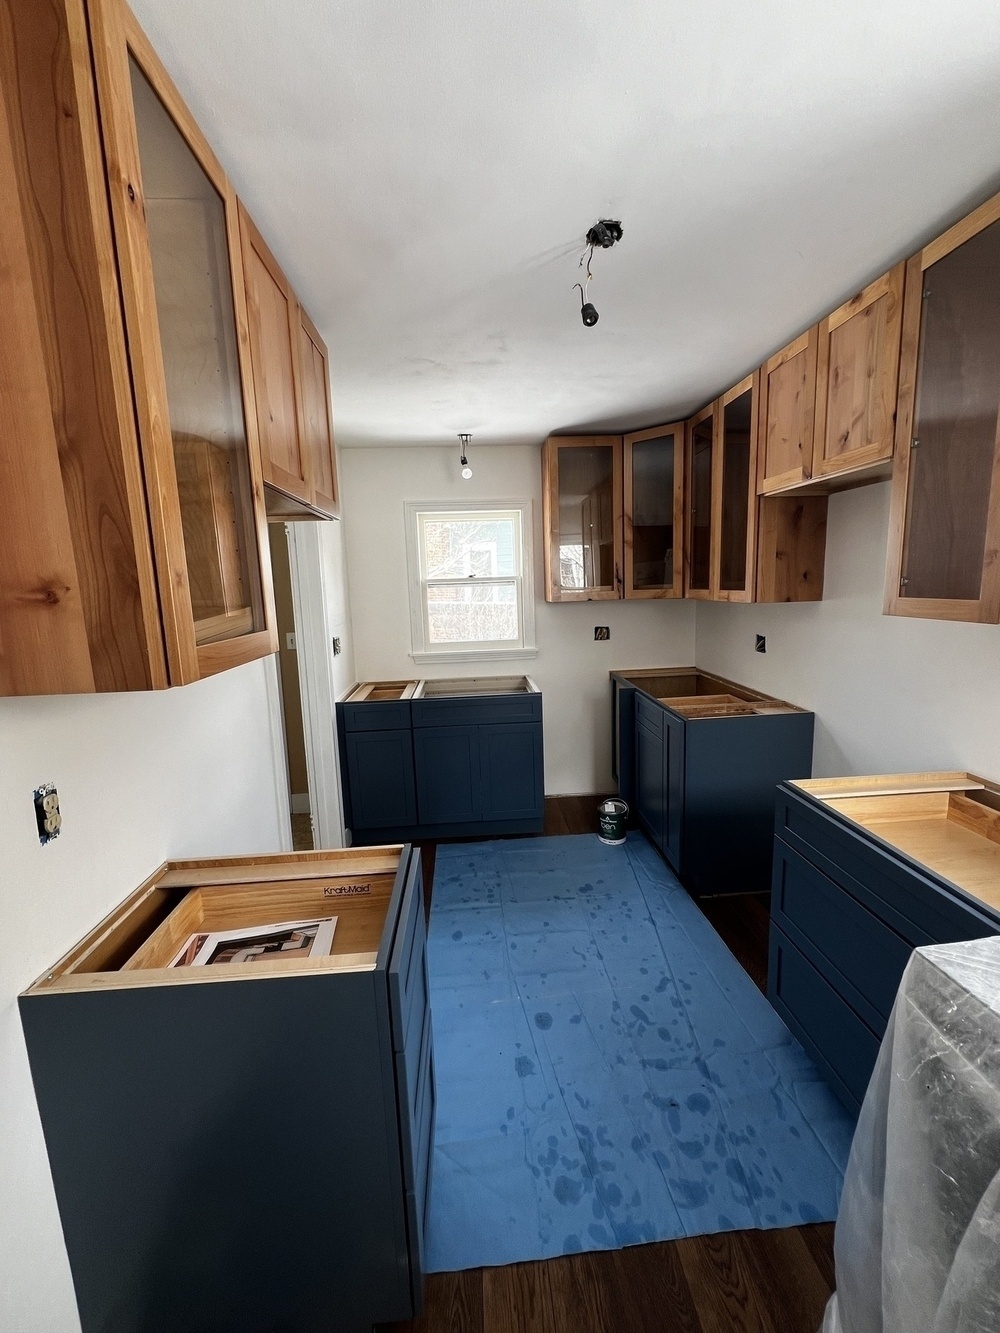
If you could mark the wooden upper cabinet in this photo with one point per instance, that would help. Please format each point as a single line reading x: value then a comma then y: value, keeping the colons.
x: 582, y: 517
x: 181, y: 275
x: 787, y: 402
x: 857, y: 366
x: 316, y: 415
x: 654, y: 512
x: 944, y: 529
x: 273, y: 315
x: 734, y: 515
x: 701, y: 469
x: 291, y: 389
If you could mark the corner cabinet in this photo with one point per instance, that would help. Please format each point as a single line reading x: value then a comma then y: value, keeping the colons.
x: 944, y: 527
x: 243, y: 1146
x: 653, y: 498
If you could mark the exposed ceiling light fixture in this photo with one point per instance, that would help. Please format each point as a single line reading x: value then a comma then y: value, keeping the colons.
x: 466, y: 470
x: 603, y: 234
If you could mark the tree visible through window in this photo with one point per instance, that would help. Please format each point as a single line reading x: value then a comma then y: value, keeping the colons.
x: 470, y: 578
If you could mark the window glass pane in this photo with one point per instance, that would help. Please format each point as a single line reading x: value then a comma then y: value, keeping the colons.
x: 735, y: 492
x: 467, y: 546
x: 586, y: 519
x: 472, y: 613
x: 186, y: 221
x: 701, y: 504
x: 653, y: 512
x: 955, y: 421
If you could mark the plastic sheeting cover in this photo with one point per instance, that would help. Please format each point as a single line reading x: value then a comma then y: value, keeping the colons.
x: 918, y: 1236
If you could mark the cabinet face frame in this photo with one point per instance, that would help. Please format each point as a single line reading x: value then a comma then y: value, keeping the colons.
x: 676, y: 587
x: 550, y: 517
x: 804, y: 347
x: 296, y: 483
x: 751, y: 384
x: 883, y: 370
x: 710, y: 412
x: 986, y: 608
x: 116, y: 36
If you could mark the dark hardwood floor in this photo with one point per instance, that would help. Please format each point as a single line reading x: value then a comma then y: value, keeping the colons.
x: 734, y: 1282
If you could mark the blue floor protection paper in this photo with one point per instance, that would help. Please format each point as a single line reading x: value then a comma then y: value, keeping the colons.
x: 607, y: 1073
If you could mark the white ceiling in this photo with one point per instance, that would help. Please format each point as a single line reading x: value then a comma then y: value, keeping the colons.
x: 425, y: 170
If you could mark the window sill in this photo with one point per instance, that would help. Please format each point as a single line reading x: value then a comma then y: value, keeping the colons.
x: 475, y: 655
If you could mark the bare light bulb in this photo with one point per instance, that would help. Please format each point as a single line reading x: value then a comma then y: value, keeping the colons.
x: 466, y: 471
x: 464, y: 439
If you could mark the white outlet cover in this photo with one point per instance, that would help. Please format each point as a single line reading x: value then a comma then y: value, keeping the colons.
x: 290, y: 642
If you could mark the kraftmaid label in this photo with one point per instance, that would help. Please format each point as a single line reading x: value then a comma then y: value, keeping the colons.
x: 345, y: 890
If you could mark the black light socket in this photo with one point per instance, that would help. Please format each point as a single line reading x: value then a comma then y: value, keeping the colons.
x: 589, y: 315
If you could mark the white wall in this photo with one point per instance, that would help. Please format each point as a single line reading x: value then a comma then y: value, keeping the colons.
x: 890, y: 694
x: 141, y: 777
x: 571, y: 668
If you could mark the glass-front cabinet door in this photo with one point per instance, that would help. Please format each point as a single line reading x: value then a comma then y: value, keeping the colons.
x: 178, y: 244
x: 582, y: 517
x: 736, y: 494
x: 700, y: 489
x: 944, y: 535
x: 654, y: 512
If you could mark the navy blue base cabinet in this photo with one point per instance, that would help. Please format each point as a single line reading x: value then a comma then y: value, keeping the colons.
x: 847, y: 909
x: 465, y: 765
x: 243, y: 1148
x: 703, y: 768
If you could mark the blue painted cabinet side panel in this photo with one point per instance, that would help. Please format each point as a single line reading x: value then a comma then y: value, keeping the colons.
x: 674, y: 733
x: 732, y: 767
x: 449, y: 779
x: 380, y: 771
x: 623, y: 742
x: 511, y: 767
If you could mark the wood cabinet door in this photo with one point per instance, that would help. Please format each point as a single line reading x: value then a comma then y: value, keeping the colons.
x: 181, y: 274
x: 944, y: 526
x: 582, y: 518
x: 272, y: 312
x: 857, y: 365
x: 316, y: 416
x: 787, y: 409
x: 653, y: 493
x: 734, y: 512
x: 701, y: 484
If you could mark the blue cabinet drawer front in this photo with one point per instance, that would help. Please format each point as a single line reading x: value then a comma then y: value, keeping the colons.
x: 649, y: 715
x: 915, y: 906
x: 386, y: 715
x: 822, y: 1020
x: 471, y: 710
x: 812, y: 909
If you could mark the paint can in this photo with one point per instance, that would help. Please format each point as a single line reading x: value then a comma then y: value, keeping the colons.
x: 612, y: 817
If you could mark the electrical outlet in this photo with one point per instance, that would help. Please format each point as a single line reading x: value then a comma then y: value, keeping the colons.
x: 290, y: 643
x: 47, y: 816
x: 602, y: 632
x: 336, y: 646
x: 759, y: 643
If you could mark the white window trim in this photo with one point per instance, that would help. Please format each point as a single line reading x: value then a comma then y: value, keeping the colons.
x: 421, y: 653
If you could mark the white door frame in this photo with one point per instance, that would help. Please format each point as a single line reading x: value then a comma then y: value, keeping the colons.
x: 316, y: 685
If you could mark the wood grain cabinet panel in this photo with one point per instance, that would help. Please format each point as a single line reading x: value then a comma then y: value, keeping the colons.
x: 700, y: 535
x: 857, y: 369
x: 316, y: 416
x: 273, y: 314
x: 944, y: 527
x: 123, y: 278
x: 582, y: 518
x: 788, y: 394
x: 653, y: 493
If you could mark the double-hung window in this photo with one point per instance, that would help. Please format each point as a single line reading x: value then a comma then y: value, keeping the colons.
x: 470, y: 580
